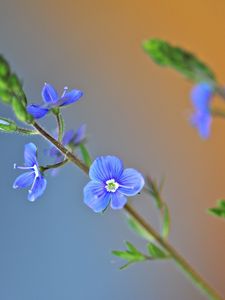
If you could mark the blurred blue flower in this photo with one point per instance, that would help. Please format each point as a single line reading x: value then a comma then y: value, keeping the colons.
x: 71, y: 139
x: 52, y: 100
x: 33, y: 177
x: 201, y: 96
x: 110, y: 182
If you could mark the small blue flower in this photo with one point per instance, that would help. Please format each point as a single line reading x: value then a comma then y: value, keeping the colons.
x: 111, y: 183
x: 52, y: 100
x: 201, y: 96
x: 71, y: 139
x: 33, y: 178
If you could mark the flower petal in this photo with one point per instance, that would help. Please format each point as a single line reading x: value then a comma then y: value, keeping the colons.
x: 96, y: 197
x: 25, y: 180
x: 201, y: 96
x: 70, y: 97
x: 49, y: 94
x: 202, y: 121
x: 37, y: 111
x: 118, y: 200
x: 106, y: 167
x: 131, y: 182
x: 30, y: 155
x: 80, y: 134
x: 37, y: 189
x: 68, y: 137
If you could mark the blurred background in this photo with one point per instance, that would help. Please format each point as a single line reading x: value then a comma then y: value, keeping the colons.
x: 57, y: 248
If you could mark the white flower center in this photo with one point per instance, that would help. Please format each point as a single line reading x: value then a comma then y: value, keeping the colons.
x: 111, y: 185
x: 36, y: 171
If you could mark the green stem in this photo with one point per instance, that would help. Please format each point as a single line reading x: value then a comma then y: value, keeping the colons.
x: 60, y: 123
x: 54, y: 166
x: 180, y: 261
x: 26, y: 131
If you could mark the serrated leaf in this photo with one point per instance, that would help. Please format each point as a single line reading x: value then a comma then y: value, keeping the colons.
x: 138, y: 229
x: 85, y: 155
x: 164, y: 54
x: 156, y: 252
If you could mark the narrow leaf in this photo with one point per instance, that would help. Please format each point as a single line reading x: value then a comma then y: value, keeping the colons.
x: 85, y: 154
x: 156, y: 252
x: 138, y: 229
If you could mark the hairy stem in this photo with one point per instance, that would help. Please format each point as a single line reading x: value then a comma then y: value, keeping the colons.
x: 180, y: 261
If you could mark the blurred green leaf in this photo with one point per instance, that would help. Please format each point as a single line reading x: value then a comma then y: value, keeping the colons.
x: 7, y: 125
x: 137, y: 228
x: 156, y: 252
x: 85, y: 155
x: 4, y: 67
x: 154, y: 190
x: 164, y: 54
x: 218, y: 211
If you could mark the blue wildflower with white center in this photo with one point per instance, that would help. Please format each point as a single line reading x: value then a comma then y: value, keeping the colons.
x: 111, y: 184
x: 201, y: 96
x: 52, y: 100
x: 32, y: 178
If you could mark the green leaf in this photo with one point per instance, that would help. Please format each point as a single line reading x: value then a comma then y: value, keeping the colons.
x: 4, y: 67
x: 124, y: 255
x: 85, y: 154
x: 218, y: 211
x: 7, y: 125
x: 6, y: 96
x: 164, y: 54
x: 137, y: 228
x: 20, y: 111
x: 156, y: 252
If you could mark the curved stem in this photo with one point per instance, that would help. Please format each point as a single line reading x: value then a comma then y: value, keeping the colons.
x: 180, y: 261
x: 54, y: 166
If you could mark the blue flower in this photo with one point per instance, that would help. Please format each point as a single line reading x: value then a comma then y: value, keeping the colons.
x: 33, y: 177
x: 111, y: 183
x: 52, y: 100
x: 201, y: 96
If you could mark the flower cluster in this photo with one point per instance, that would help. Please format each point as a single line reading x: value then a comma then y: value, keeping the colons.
x: 110, y: 182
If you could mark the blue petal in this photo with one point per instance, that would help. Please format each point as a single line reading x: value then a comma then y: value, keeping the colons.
x: 49, y: 94
x: 54, y: 152
x: 37, y: 111
x: 37, y: 189
x: 118, y: 200
x: 80, y: 134
x: 25, y: 180
x: 70, y: 97
x: 30, y: 155
x: 96, y: 197
x: 68, y: 137
x: 203, y: 123
x: 106, y: 167
x: 131, y: 182
x: 201, y: 96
